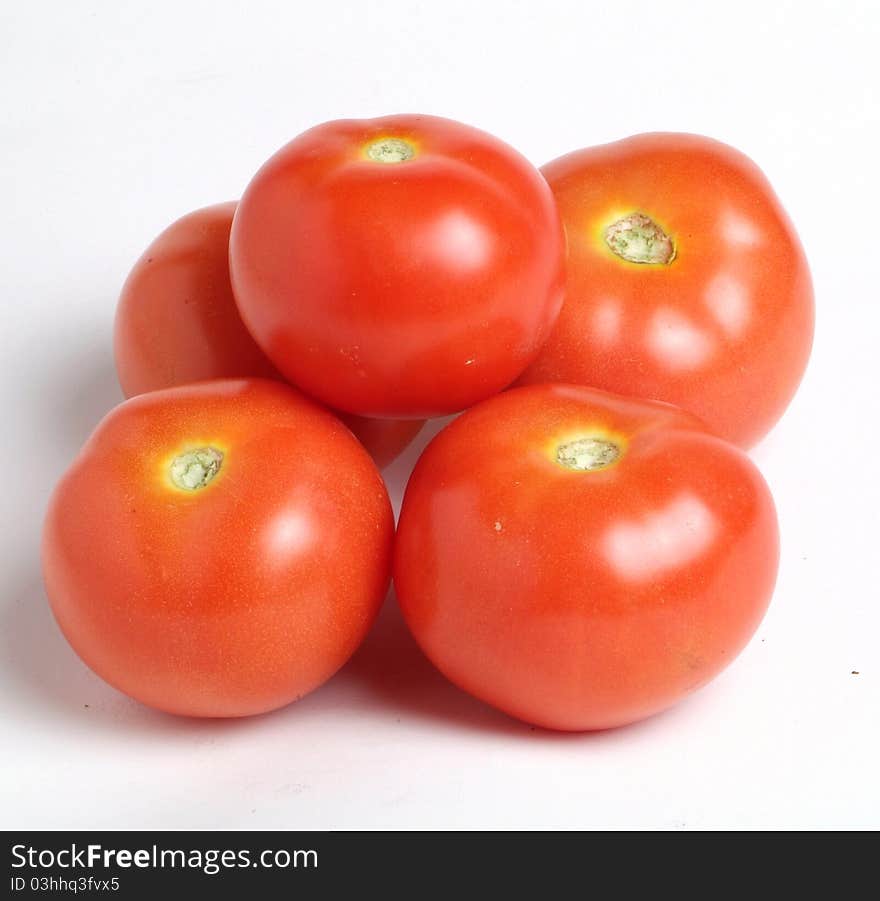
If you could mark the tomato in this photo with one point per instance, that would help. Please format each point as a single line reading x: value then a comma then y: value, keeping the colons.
x: 686, y: 282
x: 582, y: 560
x: 384, y: 439
x: 401, y: 267
x: 218, y: 549
x: 177, y: 322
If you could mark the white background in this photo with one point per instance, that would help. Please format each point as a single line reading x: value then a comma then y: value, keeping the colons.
x: 118, y: 117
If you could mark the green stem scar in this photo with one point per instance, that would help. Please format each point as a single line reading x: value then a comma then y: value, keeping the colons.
x: 195, y: 469
x: 587, y: 454
x: 638, y: 239
x: 391, y: 150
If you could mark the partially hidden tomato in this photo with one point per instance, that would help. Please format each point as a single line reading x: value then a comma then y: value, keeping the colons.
x: 582, y: 560
x: 177, y: 323
x: 218, y: 549
x: 686, y: 282
x: 406, y: 266
x: 384, y: 439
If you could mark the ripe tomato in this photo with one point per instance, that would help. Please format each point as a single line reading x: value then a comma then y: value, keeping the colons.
x: 404, y: 267
x: 686, y: 282
x: 384, y: 439
x: 177, y: 323
x: 218, y: 549
x: 582, y: 560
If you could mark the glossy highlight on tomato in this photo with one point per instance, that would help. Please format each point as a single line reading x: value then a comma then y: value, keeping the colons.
x: 177, y: 322
x: 686, y: 282
x: 582, y: 560
x: 406, y: 266
x: 218, y: 549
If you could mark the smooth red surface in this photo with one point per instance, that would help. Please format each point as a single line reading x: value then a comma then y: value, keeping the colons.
x: 583, y: 600
x: 236, y: 598
x: 177, y: 323
x: 725, y: 329
x: 409, y: 289
x: 384, y: 439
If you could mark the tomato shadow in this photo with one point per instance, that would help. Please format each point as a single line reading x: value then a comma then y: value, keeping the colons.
x: 389, y: 673
x: 394, y: 674
x: 39, y: 672
x: 77, y: 392
x: 391, y: 668
x: 42, y: 675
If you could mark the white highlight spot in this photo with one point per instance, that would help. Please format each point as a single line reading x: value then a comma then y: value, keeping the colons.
x: 730, y: 304
x: 290, y: 533
x: 646, y: 548
x: 676, y: 341
x: 461, y: 241
x: 737, y: 230
x: 606, y: 321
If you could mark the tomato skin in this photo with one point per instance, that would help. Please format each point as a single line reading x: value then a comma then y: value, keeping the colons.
x: 235, y: 598
x: 583, y: 600
x: 725, y: 329
x: 384, y: 439
x: 177, y: 323
x: 407, y: 289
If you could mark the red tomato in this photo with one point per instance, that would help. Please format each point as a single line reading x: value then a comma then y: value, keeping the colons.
x: 403, y: 267
x: 686, y: 282
x: 218, y: 549
x: 384, y: 439
x: 177, y: 323
x: 582, y: 560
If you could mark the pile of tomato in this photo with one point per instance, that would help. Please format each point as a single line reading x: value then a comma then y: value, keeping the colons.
x: 584, y: 545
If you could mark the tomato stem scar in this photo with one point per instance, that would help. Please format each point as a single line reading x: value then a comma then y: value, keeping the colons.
x: 195, y: 469
x: 638, y: 239
x: 390, y: 150
x: 587, y: 454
